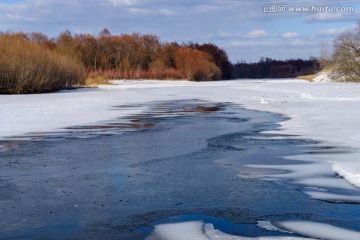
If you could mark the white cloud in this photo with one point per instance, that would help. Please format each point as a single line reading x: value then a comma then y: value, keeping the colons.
x: 290, y: 35
x: 303, y: 43
x: 116, y: 3
x: 333, y: 16
x: 137, y: 10
x: 257, y: 34
x: 325, y: 16
x: 331, y: 32
x: 283, y: 43
x: 167, y: 12
x: 253, y: 44
x: 19, y: 17
x: 207, y: 8
x: 223, y: 34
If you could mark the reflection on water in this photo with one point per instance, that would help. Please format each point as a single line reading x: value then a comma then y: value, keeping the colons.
x: 149, y: 119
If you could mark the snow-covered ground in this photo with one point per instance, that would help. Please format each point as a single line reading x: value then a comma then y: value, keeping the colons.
x: 323, y: 111
x: 323, y: 76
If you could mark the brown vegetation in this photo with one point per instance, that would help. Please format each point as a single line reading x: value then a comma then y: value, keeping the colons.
x: 32, y: 63
x: 28, y: 67
x: 307, y: 77
x: 219, y: 56
x: 166, y: 74
x: 346, y: 56
x: 196, y: 65
x: 135, y: 56
x: 343, y: 65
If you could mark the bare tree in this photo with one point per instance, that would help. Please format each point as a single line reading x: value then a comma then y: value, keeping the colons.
x: 325, y: 55
x: 347, y: 55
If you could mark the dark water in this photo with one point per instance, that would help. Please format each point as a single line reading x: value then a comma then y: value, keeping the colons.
x: 178, y: 161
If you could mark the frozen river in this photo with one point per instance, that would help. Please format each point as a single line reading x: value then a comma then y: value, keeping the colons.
x: 179, y: 160
x: 190, y: 162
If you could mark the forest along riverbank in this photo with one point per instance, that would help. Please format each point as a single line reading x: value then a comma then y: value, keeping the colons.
x: 180, y: 161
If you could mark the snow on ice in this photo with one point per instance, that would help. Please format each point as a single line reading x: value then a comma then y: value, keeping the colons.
x: 198, y: 230
x: 327, y: 112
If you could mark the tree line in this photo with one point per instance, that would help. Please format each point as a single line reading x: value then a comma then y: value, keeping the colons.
x: 34, y: 62
x: 271, y: 68
x: 38, y: 63
x: 134, y: 56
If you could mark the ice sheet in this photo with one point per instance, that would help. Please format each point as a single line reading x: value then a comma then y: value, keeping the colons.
x: 302, y: 171
x: 326, y: 111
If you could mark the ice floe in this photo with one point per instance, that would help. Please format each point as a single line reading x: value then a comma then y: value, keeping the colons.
x: 319, y: 230
x: 197, y: 230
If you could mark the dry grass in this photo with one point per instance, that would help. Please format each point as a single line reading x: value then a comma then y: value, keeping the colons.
x: 309, y: 78
x: 26, y: 67
x: 165, y: 74
x: 96, y: 80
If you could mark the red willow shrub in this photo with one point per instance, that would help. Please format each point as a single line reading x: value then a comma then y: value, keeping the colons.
x: 196, y: 65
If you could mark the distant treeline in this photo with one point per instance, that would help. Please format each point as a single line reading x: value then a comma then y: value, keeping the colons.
x: 271, y: 68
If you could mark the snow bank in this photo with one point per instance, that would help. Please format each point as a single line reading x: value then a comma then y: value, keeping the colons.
x: 319, y: 230
x: 201, y: 231
x: 323, y: 76
x: 267, y: 225
x: 326, y: 182
x: 329, y: 75
x: 349, y: 170
x: 318, y: 180
x: 324, y: 112
x: 180, y: 231
x: 311, y: 229
x: 332, y: 197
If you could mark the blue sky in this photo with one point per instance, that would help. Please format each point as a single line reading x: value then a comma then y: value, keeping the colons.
x: 238, y: 26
